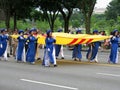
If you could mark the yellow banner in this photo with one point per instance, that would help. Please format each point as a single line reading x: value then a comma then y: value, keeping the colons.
x: 70, y: 39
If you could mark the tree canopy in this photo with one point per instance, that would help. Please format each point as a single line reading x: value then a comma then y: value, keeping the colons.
x: 113, y: 10
x: 50, y: 10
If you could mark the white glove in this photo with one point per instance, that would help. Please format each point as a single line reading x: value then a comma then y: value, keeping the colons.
x: 113, y: 38
x: 1, y: 45
x: 21, y: 38
x: 48, y: 49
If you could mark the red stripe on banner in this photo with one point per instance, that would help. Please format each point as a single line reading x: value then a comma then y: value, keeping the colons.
x: 89, y: 41
x: 73, y: 41
x: 81, y: 41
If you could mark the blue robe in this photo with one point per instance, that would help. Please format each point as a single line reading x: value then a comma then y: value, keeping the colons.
x: 92, y: 51
x: 77, y: 52
x: 57, y: 50
x: 114, y: 50
x: 30, y: 56
x: 3, y: 41
x: 21, y: 44
x: 48, y: 54
x: 0, y: 46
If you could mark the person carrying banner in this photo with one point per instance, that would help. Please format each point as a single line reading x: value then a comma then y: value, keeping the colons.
x: 77, y: 50
x: 93, y: 49
x: 30, y: 55
x: 49, y: 53
x: 113, y: 58
x: 20, y: 54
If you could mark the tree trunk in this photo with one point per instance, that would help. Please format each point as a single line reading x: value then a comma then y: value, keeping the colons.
x: 66, y: 17
x: 7, y: 19
x: 52, y: 25
x: 15, y: 21
x: 87, y: 23
x: 7, y: 22
x: 66, y: 25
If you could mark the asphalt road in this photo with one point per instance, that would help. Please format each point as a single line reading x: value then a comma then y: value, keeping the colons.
x: 69, y: 75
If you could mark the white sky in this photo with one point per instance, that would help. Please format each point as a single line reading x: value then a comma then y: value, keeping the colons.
x: 102, y: 3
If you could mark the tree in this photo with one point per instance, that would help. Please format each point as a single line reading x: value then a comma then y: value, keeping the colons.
x: 36, y: 15
x: 49, y: 10
x: 17, y: 9
x: 76, y: 19
x: 66, y: 8
x: 98, y: 21
x: 86, y: 7
x: 21, y: 9
x: 113, y: 10
x: 6, y: 7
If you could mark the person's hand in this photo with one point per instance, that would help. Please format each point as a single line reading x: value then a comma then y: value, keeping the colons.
x: 113, y: 37
x: 48, y: 49
x: 54, y: 37
x: 1, y: 46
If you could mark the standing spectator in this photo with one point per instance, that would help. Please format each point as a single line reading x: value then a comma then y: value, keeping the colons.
x: 14, y: 42
x: 114, y: 48
x: 38, y: 46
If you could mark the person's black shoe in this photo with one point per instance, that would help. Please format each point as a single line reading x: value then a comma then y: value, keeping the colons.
x: 75, y: 59
x: 55, y: 65
x: 38, y: 59
x: 62, y: 58
x: 8, y: 55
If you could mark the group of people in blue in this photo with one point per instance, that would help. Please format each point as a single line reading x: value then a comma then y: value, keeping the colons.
x: 52, y: 50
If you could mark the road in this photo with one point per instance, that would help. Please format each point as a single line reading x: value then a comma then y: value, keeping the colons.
x: 69, y: 75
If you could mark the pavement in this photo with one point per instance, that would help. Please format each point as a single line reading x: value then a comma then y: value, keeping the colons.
x: 69, y: 75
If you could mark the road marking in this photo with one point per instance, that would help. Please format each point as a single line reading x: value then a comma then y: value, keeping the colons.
x: 49, y: 84
x: 108, y: 74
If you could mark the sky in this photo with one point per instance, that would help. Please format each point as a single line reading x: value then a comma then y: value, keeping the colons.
x: 102, y: 3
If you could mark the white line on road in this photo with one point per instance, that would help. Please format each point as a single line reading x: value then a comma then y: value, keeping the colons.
x: 108, y: 74
x: 49, y: 84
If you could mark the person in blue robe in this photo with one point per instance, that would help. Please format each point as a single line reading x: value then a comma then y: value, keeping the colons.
x: 93, y: 49
x: 76, y: 55
x: 114, y: 48
x: 59, y: 48
x: 30, y: 55
x: 0, y: 47
x: 20, y: 47
x: 3, y: 42
x: 49, y: 53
